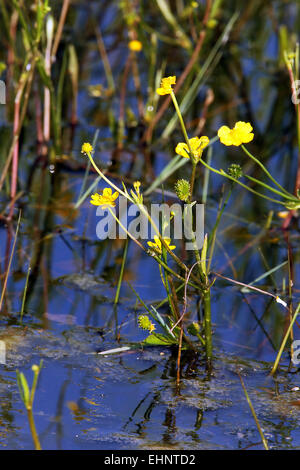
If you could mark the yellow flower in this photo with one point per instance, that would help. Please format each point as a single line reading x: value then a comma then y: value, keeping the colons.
x: 156, y: 245
x: 166, y: 86
x: 137, y: 196
x: 240, y: 134
x: 197, y: 145
x: 107, y: 199
x: 135, y: 46
x: 137, y: 185
x: 86, y: 148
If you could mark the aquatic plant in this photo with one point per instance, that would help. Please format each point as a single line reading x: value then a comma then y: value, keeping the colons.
x: 27, y: 396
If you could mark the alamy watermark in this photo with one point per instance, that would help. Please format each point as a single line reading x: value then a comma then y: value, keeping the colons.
x: 296, y: 352
x: 2, y: 92
x: 2, y: 352
x: 178, y: 222
x: 296, y: 92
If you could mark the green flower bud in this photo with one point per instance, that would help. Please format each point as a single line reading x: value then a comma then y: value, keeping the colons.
x: 235, y: 171
x: 145, y: 323
x: 194, y: 329
x: 183, y: 190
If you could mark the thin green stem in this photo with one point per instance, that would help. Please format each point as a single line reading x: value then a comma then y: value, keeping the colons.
x: 121, y: 272
x: 106, y: 179
x: 207, y: 328
x: 125, y: 230
x: 170, y: 270
x: 167, y: 286
x: 163, y: 279
x: 264, y: 169
x: 33, y: 431
x: 289, y: 197
x: 212, y: 237
x: 223, y: 173
x: 275, y: 366
x: 192, y: 181
x: 182, y: 123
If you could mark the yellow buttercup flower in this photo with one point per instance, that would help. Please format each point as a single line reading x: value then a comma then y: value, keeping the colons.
x: 137, y: 185
x: 107, y: 199
x: 156, y: 245
x: 240, y: 134
x: 87, y: 148
x: 135, y: 46
x: 166, y: 86
x: 137, y: 196
x: 197, y: 145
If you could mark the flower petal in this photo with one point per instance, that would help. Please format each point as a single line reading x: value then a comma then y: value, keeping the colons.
x: 204, y: 141
x: 243, y: 126
x: 223, y: 131
x: 182, y: 149
x: 161, y: 91
x: 107, y: 192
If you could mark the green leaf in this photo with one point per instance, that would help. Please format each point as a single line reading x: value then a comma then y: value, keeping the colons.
x: 20, y: 386
x: 23, y: 387
x: 157, y: 339
x: 203, y: 255
x: 161, y: 321
x: 43, y: 74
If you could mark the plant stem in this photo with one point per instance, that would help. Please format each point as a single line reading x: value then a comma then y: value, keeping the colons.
x: 192, y: 181
x: 122, y: 272
x: 207, y: 328
x: 182, y: 124
x: 212, y: 237
x: 285, y: 340
x: 106, y: 179
x: 34, y: 434
x: 264, y: 169
x: 223, y: 173
x: 125, y: 230
x: 60, y: 27
x: 288, y: 196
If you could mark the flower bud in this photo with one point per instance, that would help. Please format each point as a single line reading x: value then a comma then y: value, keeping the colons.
x: 183, y: 189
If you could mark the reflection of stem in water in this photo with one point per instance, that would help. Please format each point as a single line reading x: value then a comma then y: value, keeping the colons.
x: 24, y: 295
x: 170, y: 424
x: 10, y: 261
x: 41, y: 241
x: 264, y: 441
